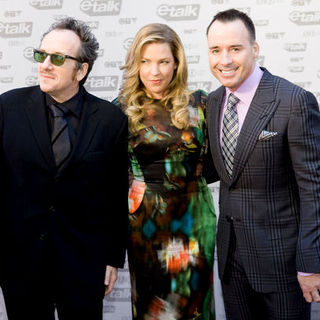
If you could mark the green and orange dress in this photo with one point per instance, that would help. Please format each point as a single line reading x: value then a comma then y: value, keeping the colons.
x: 172, y: 220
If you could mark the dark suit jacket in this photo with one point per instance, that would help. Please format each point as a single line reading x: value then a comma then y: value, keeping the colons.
x: 81, y: 214
x: 273, y: 197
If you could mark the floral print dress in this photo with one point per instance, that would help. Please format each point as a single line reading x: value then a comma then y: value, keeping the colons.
x: 172, y: 220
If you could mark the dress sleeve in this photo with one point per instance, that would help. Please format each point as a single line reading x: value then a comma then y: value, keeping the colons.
x: 200, y: 98
x: 117, y: 103
x: 209, y: 171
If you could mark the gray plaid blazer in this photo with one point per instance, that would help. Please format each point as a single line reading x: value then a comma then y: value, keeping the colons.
x: 273, y: 196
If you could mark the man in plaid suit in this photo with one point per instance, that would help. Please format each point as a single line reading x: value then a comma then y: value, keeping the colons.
x: 264, y: 135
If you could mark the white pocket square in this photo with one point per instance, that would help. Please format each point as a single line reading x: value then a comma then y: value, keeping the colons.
x: 265, y: 135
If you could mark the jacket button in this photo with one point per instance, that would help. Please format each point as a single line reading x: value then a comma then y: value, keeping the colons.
x: 43, y: 236
x: 52, y: 209
x: 57, y: 177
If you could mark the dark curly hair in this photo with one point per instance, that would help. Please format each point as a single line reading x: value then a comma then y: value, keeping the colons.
x: 89, y: 44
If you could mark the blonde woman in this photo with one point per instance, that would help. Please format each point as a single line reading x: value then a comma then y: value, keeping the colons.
x: 172, y: 218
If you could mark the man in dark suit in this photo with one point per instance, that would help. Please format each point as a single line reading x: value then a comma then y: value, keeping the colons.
x: 63, y: 162
x: 264, y: 137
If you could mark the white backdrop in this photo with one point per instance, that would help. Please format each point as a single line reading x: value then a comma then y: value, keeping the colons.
x: 288, y: 32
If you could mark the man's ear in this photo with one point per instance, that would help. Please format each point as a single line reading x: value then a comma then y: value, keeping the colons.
x: 81, y: 73
x: 256, y: 49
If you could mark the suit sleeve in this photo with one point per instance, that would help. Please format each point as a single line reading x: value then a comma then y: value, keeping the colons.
x: 304, y: 146
x: 209, y: 170
x: 3, y: 179
x: 118, y: 232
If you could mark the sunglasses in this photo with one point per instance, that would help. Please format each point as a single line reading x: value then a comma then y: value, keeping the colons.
x: 56, y: 59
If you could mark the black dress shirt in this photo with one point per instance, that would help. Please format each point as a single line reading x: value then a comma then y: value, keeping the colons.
x: 74, y: 106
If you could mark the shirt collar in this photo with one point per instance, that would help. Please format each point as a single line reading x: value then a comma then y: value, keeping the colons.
x: 73, y: 104
x: 248, y: 88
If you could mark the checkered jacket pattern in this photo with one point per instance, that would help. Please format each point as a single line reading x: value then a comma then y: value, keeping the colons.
x: 273, y: 196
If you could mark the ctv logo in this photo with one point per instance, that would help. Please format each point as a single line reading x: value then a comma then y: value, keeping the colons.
x: 295, y: 47
x: 261, y: 22
x: 296, y: 69
x: 102, y: 83
x: 93, y: 24
x: 193, y: 59
x: 178, y: 12
x: 300, y: 2
x: 101, y: 7
x: 15, y: 29
x: 46, y: 4
x: 6, y: 79
x: 113, y: 64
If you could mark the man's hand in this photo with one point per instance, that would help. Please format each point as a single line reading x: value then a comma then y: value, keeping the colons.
x: 310, y: 286
x: 110, y: 279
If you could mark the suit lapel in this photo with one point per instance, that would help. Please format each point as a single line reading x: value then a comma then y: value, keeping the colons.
x: 36, y: 113
x: 259, y: 114
x: 214, y: 110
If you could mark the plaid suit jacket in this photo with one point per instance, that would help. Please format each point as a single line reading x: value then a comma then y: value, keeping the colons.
x: 273, y: 196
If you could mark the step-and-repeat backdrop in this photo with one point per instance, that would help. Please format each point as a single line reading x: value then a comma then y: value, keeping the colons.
x: 288, y: 32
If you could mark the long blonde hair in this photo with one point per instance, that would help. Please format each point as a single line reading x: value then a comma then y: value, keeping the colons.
x: 133, y: 93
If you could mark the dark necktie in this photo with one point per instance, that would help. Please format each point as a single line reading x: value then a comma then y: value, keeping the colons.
x: 230, y: 132
x: 60, y: 140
